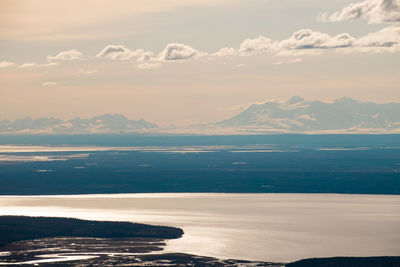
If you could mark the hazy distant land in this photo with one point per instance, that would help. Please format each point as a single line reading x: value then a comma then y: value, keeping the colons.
x: 297, y: 115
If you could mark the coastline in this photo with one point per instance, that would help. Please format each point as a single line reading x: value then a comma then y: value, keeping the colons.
x: 256, y: 227
x: 133, y: 251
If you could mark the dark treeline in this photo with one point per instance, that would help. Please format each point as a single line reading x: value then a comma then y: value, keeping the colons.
x: 348, y: 262
x: 17, y: 228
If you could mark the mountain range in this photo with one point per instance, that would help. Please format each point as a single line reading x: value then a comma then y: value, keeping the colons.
x: 107, y: 123
x: 297, y: 115
x: 301, y: 116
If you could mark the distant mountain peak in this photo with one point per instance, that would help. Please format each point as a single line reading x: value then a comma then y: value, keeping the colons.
x: 300, y: 116
x: 346, y: 99
x: 294, y: 100
x: 110, y: 116
x: 105, y: 123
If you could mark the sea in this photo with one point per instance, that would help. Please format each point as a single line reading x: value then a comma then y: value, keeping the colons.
x: 262, y: 227
x: 275, y: 198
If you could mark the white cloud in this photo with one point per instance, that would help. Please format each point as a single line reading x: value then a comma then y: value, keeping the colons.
x: 30, y: 65
x: 5, y: 64
x: 305, y: 39
x: 116, y: 52
x: 259, y: 44
x: 309, y: 42
x: 302, y: 42
x: 66, y: 56
x: 146, y: 56
x: 120, y: 52
x: 308, y: 39
x: 49, y: 84
x: 177, y: 51
x: 376, y: 11
x: 387, y: 39
x: 37, y: 65
x: 225, y: 52
x: 340, y: 40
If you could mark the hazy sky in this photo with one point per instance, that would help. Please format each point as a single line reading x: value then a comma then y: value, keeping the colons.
x: 193, y: 60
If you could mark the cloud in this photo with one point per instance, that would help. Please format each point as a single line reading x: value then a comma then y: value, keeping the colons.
x: 225, y: 52
x: 309, y: 42
x: 305, y: 39
x: 66, y: 56
x: 340, y: 40
x: 116, y: 52
x: 30, y: 65
x: 387, y: 39
x: 177, y: 51
x: 37, y: 65
x: 146, y: 59
x: 120, y: 52
x: 146, y: 56
x: 259, y: 44
x: 49, y: 84
x: 301, y: 42
x: 6, y: 64
x: 289, y: 60
x: 309, y: 39
x: 376, y: 11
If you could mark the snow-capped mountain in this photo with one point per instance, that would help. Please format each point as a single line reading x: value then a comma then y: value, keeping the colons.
x: 299, y: 115
x: 107, y: 123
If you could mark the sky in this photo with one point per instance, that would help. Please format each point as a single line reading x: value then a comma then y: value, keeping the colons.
x: 192, y: 61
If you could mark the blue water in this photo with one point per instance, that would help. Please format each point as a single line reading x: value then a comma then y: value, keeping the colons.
x: 352, y: 164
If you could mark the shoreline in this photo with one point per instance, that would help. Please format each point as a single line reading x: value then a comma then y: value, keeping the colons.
x: 128, y: 247
x: 257, y: 227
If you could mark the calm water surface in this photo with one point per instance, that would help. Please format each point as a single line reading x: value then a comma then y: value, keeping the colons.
x: 269, y: 227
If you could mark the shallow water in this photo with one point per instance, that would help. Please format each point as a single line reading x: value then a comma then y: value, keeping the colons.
x: 268, y: 227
